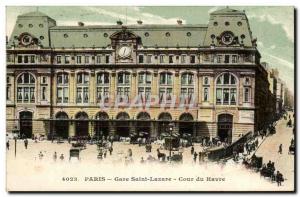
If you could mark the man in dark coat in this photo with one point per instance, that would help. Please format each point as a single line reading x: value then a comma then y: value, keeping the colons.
x: 280, y: 149
x: 26, y: 143
x: 279, y: 178
x: 192, y: 150
x: 7, y: 145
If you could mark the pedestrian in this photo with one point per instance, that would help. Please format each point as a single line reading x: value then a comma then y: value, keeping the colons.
x: 26, y: 143
x: 104, y: 154
x: 110, y: 150
x: 62, y: 157
x: 41, y: 155
x: 279, y: 178
x: 7, y: 144
x: 192, y: 150
x: 54, y: 156
x: 280, y: 149
x: 195, y: 157
x: 142, y: 160
x: 200, y: 156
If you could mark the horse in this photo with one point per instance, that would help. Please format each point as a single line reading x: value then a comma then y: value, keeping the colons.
x: 161, y: 155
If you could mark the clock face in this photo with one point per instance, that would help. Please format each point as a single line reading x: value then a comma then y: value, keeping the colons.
x: 227, y: 38
x: 124, y: 51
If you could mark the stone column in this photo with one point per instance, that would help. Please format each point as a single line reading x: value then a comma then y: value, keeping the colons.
x: 112, y: 93
x: 112, y: 128
x: 72, y: 85
x: 176, y: 86
x: 92, y: 88
x: 72, y: 129
x: 133, y: 86
x: 155, y: 84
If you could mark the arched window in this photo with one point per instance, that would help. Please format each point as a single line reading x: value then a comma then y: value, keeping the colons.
x: 102, y: 87
x: 226, y: 89
x: 82, y: 88
x: 165, y: 87
x: 123, y: 90
x: 187, y: 88
x: 144, y: 89
x: 26, y: 88
x: 62, y: 83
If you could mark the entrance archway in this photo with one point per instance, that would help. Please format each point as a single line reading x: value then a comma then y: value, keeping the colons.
x: 186, y: 124
x: 82, y: 124
x: 101, y: 127
x: 164, y: 119
x: 225, y: 127
x: 144, y: 124
x: 62, y: 125
x: 26, y: 124
x: 122, y: 125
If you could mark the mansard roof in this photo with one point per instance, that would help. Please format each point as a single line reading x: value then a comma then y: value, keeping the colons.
x: 150, y: 35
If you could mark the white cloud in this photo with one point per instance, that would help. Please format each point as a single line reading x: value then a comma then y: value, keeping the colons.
x: 134, y: 14
x: 273, y: 47
x: 285, y: 20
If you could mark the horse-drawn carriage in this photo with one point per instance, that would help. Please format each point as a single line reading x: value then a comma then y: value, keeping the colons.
x: 267, y: 172
x: 79, y: 145
x: 176, y: 158
x: 74, y: 152
x: 148, y: 147
x: 172, y: 142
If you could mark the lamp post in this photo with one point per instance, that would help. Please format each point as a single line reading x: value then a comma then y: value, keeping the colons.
x: 171, y: 127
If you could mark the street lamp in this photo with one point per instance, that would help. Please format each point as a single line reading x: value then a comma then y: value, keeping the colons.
x: 171, y: 127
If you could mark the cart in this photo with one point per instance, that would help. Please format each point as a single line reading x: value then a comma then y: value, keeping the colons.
x: 74, y: 152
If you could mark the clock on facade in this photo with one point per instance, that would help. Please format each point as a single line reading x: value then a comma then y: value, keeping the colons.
x: 124, y: 51
x: 227, y: 38
x: 26, y: 39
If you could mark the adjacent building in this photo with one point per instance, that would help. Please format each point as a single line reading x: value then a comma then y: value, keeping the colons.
x: 121, y: 79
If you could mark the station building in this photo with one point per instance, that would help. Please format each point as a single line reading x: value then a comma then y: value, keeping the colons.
x: 120, y: 79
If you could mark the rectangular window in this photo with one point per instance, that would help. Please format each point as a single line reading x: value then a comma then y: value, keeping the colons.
x: 78, y: 59
x: 219, y: 58
x: 149, y: 59
x: 193, y: 59
x: 20, y: 59
x: 85, y: 94
x: 232, y: 96
x: 205, y: 94
x: 161, y: 59
x: 234, y: 58
x: 226, y: 59
x: 219, y: 96
x: 43, y: 93
x: 26, y: 59
x: 225, y: 96
x: 58, y: 59
x: 44, y: 80
x: 107, y: 59
x: 87, y: 59
x: 32, y: 59
x: 7, y: 93
x: 67, y: 59
x: 65, y: 95
x: 141, y: 58
x: 98, y: 59
x: 79, y: 95
x: 247, y: 95
x: 171, y: 59
x: 183, y: 58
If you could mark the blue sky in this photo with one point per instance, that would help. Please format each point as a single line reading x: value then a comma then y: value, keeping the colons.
x: 272, y: 26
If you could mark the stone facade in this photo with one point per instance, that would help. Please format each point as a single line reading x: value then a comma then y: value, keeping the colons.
x: 206, y: 79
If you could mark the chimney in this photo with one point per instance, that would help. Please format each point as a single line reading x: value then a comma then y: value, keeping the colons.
x: 139, y: 22
x: 119, y: 22
x: 179, y: 22
x: 81, y: 24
